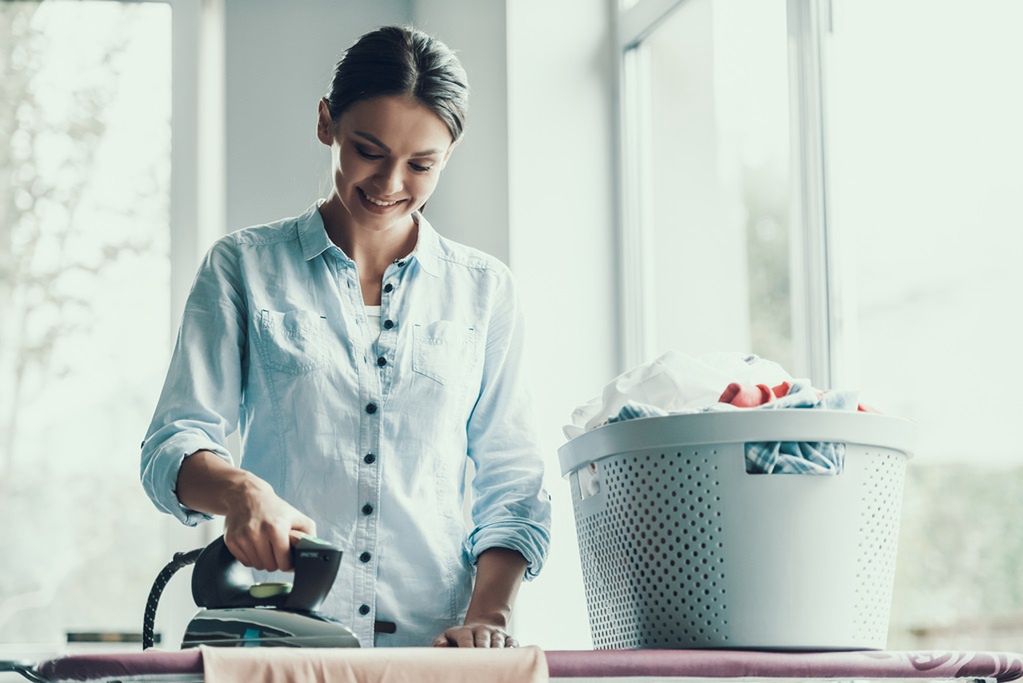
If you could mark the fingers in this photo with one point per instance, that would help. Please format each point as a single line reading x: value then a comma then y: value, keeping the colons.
x: 475, y: 636
x: 260, y: 535
x: 304, y: 525
x: 464, y: 638
x: 481, y: 637
x: 261, y: 550
x: 280, y: 546
x: 238, y: 550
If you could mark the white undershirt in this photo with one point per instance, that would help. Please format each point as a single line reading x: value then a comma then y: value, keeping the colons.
x: 373, y: 313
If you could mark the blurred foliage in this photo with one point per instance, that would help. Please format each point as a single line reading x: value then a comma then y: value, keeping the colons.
x: 959, y: 573
x: 765, y: 195
x: 69, y: 482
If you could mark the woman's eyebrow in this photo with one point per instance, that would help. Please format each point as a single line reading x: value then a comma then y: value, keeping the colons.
x: 376, y: 141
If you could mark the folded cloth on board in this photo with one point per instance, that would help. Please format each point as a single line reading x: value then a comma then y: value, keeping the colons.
x: 376, y: 665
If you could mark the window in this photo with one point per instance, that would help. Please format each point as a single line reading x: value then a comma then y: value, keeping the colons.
x: 84, y: 308
x: 847, y: 205
x: 711, y: 113
x: 924, y: 147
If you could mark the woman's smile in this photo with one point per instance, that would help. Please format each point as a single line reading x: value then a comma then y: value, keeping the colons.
x: 377, y: 205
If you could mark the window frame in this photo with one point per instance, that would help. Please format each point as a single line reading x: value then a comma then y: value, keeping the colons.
x: 817, y: 326
x: 197, y: 216
x: 197, y: 154
x: 196, y: 210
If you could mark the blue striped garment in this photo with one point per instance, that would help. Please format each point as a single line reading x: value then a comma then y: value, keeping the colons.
x: 778, y: 457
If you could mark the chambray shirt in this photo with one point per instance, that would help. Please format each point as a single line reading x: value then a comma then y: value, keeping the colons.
x: 367, y: 431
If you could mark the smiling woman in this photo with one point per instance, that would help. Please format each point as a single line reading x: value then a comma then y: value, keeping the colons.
x: 376, y: 179
x: 359, y: 427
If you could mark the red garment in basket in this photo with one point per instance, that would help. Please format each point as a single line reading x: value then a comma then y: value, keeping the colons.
x: 748, y: 396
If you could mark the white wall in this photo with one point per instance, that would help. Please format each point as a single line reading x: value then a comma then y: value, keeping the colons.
x: 471, y: 201
x: 279, y: 59
x: 560, y: 131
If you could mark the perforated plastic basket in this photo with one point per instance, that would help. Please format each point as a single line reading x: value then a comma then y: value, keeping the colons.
x: 682, y: 548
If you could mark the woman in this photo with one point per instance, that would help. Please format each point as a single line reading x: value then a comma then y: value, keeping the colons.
x: 365, y: 359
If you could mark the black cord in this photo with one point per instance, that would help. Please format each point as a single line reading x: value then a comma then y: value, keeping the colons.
x: 180, y: 560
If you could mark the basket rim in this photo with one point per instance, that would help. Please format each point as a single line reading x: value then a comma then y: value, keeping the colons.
x: 740, y: 426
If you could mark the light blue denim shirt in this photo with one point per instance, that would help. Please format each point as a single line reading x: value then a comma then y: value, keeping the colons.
x: 367, y: 431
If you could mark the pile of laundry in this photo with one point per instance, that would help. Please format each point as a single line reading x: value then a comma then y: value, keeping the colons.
x: 678, y: 384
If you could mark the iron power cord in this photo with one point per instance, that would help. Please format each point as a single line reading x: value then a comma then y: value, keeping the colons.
x: 180, y: 560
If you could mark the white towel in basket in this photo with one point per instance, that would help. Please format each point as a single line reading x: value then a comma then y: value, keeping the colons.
x: 778, y: 457
x: 674, y: 383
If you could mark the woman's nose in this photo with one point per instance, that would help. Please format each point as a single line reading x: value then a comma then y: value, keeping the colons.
x: 390, y: 180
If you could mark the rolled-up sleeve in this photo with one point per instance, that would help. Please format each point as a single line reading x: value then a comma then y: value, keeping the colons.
x: 200, y: 402
x: 511, y: 508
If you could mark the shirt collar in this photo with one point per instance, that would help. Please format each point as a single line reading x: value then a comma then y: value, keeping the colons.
x: 427, y: 250
x: 312, y: 235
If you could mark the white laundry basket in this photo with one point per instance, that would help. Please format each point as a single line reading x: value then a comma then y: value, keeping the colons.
x: 682, y: 548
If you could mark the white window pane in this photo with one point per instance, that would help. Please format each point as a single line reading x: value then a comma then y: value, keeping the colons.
x: 84, y: 298
x: 924, y: 177
x: 716, y: 183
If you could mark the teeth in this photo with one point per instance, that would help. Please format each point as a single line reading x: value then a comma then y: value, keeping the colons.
x: 378, y: 202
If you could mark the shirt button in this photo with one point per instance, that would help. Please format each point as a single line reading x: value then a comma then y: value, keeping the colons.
x: 364, y: 610
x: 371, y: 408
x: 381, y: 361
x: 367, y: 509
x: 401, y: 264
x: 369, y: 459
x: 388, y: 287
x: 365, y: 557
x: 388, y: 324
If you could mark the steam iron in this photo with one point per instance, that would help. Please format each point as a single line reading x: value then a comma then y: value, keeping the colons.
x: 238, y: 612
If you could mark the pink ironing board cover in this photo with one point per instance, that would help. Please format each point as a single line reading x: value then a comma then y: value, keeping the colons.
x: 1001, y: 666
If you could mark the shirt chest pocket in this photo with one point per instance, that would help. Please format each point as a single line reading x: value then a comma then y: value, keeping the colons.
x: 444, y: 351
x: 292, y: 342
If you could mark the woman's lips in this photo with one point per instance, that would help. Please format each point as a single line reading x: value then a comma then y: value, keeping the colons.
x: 376, y: 208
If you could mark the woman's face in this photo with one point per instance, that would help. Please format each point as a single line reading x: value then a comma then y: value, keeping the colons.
x: 387, y: 154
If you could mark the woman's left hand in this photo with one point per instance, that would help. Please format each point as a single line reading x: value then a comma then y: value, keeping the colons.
x: 475, y: 634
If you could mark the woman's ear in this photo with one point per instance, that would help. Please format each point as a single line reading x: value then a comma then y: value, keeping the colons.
x: 324, y: 123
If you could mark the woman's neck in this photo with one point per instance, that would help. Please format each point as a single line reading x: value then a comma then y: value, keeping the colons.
x: 372, y: 250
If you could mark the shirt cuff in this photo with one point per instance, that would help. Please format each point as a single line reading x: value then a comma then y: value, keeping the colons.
x: 160, y: 475
x: 524, y: 536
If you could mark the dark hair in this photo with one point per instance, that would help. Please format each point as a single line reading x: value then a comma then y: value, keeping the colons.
x: 400, y: 60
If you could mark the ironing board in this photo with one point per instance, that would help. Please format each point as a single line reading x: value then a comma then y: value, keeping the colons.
x: 605, y: 666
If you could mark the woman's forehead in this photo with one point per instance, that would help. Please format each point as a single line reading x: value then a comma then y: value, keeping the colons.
x: 402, y: 125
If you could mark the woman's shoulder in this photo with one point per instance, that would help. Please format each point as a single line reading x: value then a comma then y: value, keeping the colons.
x: 234, y: 244
x: 283, y: 230
x: 462, y: 256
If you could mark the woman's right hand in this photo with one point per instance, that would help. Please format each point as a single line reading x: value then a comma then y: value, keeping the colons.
x: 259, y: 525
x: 260, y: 528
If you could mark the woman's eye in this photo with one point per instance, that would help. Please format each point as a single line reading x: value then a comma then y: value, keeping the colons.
x: 420, y: 168
x: 366, y: 154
